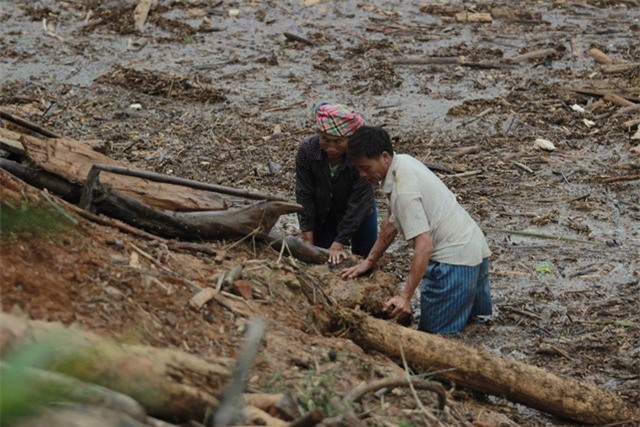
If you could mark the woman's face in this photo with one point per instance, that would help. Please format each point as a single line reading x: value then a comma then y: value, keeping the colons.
x: 334, y: 146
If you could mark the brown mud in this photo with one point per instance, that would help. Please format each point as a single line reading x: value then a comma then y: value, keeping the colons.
x: 226, y: 99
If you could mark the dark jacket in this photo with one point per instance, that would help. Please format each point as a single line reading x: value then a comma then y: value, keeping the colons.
x: 344, y: 199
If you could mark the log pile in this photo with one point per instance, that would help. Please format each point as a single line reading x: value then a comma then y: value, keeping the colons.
x: 166, y: 206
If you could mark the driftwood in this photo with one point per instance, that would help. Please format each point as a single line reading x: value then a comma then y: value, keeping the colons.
x: 603, y: 92
x: 27, y: 124
x: 471, y: 17
x: 535, y: 54
x: 141, y: 12
x: 479, y: 370
x: 73, y: 160
x: 446, y: 60
x: 256, y: 219
x: 9, y: 141
x: 93, y: 179
x: 296, y: 38
x: 208, y: 225
x: 167, y: 383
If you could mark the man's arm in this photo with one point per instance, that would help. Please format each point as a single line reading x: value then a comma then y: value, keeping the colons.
x: 387, y: 234
x: 422, y: 249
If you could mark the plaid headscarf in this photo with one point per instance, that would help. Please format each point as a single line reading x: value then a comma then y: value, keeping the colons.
x: 338, y: 119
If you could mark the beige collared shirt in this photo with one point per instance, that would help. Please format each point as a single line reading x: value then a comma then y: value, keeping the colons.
x: 420, y: 202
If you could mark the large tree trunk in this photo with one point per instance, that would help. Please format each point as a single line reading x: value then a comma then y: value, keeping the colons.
x: 168, y: 383
x: 479, y: 370
x: 73, y: 160
x: 258, y: 218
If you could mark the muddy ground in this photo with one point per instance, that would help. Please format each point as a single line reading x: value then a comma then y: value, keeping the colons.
x: 224, y: 97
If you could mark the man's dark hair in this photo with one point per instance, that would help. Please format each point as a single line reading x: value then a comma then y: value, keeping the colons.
x: 369, y: 141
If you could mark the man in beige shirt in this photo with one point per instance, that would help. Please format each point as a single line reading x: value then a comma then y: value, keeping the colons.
x: 451, y: 255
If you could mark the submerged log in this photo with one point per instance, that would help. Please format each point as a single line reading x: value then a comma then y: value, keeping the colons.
x: 167, y: 383
x: 479, y: 370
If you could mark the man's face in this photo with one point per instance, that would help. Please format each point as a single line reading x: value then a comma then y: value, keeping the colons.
x: 373, y: 170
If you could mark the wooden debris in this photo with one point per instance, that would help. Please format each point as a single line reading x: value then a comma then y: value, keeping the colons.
x: 167, y: 383
x: 10, y: 141
x: 297, y: 248
x: 297, y: 38
x: 617, y: 100
x: 535, y: 54
x: 141, y: 12
x: 620, y: 68
x: 600, y: 57
x: 474, y: 17
x: 73, y: 160
x: 202, y: 297
x: 479, y: 370
x: 27, y: 124
x: 437, y: 60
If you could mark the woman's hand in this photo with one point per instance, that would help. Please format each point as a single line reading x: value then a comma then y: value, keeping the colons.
x: 336, y: 253
x: 357, y: 270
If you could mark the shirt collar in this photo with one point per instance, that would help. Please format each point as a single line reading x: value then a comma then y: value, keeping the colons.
x: 387, y: 185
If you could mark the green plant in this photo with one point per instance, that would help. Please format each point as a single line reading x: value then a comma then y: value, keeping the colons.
x: 319, y: 390
x: 187, y: 39
x: 31, y: 219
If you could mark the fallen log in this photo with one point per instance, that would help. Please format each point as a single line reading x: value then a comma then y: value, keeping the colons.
x: 254, y: 220
x: 72, y: 160
x: 299, y: 249
x: 479, y: 370
x: 168, y: 383
x: 221, y: 224
x: 257, y: 219
x: 9, y: 141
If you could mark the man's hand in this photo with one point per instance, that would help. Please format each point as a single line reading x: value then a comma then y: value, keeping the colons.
x: 398, y: 306
x: 357, y: 270
x: 336, y: 253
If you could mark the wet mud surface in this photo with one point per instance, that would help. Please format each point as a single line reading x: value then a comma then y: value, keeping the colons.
x: 224, y: 97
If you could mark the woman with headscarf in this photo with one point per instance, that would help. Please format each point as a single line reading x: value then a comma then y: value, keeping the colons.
x: 338, y: 206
